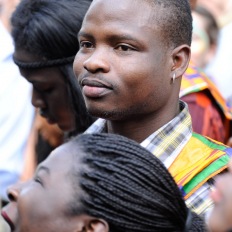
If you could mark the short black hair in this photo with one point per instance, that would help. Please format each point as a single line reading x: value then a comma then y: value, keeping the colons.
x: 48, y: 29
x: 127, y: 186
x: 175, y: 21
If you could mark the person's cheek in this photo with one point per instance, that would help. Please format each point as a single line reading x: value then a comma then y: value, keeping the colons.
x: 216, y: 196
x: 230, y: 163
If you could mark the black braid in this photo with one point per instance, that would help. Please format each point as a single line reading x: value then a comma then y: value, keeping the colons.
x: 127, y: 186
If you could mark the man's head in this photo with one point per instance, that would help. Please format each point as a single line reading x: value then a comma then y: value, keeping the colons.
x: 129, y: 55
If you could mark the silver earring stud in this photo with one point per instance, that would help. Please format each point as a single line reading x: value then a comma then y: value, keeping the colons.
x: 173, y: 77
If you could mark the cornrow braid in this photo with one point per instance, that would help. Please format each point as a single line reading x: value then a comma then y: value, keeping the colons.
x: 44, y: 64
x: 127, y: 186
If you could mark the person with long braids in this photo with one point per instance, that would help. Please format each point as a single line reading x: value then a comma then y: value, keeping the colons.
x: 100, y: 183
x: 45, y: 37
x: 44, y: 33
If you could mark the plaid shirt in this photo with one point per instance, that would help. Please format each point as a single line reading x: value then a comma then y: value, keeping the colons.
x: 166, y: 143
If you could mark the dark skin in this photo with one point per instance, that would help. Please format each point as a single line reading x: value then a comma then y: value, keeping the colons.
x: 135, y: 99
x: 39, y: 205
x: 50, y: 93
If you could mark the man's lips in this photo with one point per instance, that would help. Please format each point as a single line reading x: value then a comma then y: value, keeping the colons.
x: 94, y: 88
x: 8, y: 220
x: 94, y: 83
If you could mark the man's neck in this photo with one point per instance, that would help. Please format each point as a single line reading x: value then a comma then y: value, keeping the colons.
x: 139, y: 129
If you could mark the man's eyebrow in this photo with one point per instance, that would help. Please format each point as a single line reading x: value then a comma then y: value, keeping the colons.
x: 111, y: 37
x: 84, y: 34
x: 122, y: 37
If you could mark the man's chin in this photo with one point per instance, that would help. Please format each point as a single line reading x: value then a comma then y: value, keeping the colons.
x: 108, y: 115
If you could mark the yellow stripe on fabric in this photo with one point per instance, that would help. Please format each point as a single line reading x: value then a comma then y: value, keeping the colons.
x: 193, y: 159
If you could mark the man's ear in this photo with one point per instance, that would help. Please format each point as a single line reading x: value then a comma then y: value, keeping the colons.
x: 180, y: 58
x: 97, y: 225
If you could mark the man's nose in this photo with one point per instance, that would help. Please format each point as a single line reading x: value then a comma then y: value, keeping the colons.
x: 98, y: 61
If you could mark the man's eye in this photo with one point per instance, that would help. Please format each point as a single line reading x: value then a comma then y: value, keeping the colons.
x: 124, y: 48
x: 86, y: 44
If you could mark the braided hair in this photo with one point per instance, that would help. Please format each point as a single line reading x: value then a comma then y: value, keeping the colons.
x: 48, y: 29
x: 127, y: 186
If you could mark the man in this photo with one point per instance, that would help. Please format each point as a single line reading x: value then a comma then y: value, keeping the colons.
x: 129, y: 67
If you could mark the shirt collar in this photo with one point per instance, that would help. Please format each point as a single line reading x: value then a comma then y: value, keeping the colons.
x: 165, y: 143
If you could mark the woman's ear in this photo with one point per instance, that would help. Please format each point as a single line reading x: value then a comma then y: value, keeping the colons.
x: 97, y: 225
x: 180, y: 60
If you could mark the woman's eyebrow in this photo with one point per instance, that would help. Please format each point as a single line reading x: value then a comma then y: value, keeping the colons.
x: 44, y: 168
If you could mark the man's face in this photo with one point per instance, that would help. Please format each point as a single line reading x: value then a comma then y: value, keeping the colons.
x: 122, y: 66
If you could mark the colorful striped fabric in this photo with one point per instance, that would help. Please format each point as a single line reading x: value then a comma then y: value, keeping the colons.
x: 193, y: 167
x: 194, y: 80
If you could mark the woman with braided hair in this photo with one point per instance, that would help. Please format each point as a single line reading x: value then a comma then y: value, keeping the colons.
x: 45, y: 37
x: 100, y: 183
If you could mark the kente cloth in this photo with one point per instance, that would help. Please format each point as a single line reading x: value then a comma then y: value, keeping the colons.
x: 191, y: 170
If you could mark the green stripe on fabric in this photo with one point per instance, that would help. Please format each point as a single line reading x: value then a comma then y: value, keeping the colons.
x: 215, y: 166
x: 209, y: 143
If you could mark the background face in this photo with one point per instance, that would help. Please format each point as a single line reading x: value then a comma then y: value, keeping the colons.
x: 200, y: 47
x: 42, y: 203
x: 216, y: 7
x: 50, y: 92
x: 221, y: 216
